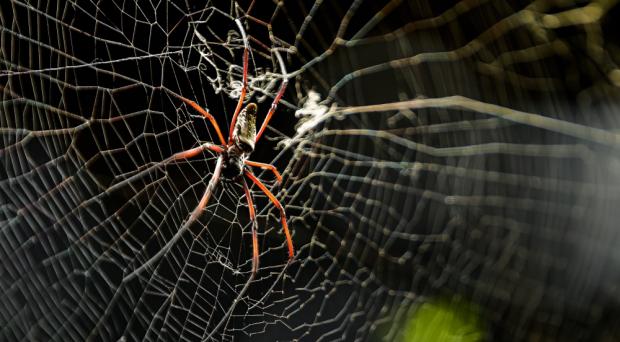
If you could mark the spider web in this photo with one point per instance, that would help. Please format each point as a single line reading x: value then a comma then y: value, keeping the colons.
x: 464, y: 150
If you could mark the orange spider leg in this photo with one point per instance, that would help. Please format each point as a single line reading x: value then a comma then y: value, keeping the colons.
x: 245, y: 80
x: 272, y: 110
x: 241, y: 293
x: 248, y: 197
x: 196, y: 150
x: 277, y: 99
x: 266, y: 167
x: 274, y: 200
x: 192, y: 217
x: 206, y: 115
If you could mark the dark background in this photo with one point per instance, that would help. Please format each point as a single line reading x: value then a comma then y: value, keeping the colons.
x: 527, y: 238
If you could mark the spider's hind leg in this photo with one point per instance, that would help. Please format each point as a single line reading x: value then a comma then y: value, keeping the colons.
x: 255, y: 254
x: 274, y: 200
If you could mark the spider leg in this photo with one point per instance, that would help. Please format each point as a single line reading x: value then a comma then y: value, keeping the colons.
x: 196, y: 150
x: 205, y: 114
x: 248, y: 197
x: 193, y: 216
x: 246, y: 46
x: 276, y: 100
x: 274, y: 200
x: 177, y: 156
x: 265, y: 167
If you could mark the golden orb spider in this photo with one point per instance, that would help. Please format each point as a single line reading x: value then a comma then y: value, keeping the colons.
x: 233, y: 164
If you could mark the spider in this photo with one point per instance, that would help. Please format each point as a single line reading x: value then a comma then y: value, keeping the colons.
x: 233, y: 163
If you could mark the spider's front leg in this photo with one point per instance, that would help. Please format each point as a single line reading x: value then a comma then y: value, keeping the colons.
x: 244, y: 89
x: 277, y: 99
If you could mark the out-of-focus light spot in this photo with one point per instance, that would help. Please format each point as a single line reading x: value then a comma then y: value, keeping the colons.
x: 614, y: 77
x: 445, y: 320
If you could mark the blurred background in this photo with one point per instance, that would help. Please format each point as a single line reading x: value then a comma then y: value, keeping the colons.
x: 451, y: 171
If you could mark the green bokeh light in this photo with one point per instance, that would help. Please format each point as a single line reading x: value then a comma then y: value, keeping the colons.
x: 453, y: 320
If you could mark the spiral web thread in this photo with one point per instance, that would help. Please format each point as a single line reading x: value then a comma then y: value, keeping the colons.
x: 466, y: 150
